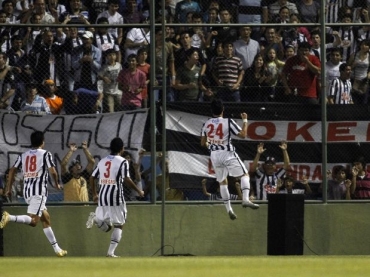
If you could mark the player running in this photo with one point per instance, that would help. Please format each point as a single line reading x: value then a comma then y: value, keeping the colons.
x: 216, y: 136
x: 112, y: 171
x: 36, y: 164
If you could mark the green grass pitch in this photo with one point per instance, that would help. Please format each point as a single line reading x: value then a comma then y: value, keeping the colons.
x: 256, y: 266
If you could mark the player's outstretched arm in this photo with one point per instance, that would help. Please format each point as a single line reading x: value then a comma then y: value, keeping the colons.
x: 243, y: 133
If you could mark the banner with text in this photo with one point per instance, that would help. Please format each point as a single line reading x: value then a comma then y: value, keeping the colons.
x: 61, y: 130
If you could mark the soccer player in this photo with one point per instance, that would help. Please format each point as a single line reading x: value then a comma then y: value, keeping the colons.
x: 112, y: 171
x: 216, y: 136
x: 36, y: 165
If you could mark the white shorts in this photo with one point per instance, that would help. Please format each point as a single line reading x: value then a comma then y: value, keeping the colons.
x: 227, y: 163
x: 112, y: 215
x: 36, y: 204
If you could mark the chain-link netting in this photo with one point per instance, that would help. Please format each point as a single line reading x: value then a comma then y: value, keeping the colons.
x: 80, y: 83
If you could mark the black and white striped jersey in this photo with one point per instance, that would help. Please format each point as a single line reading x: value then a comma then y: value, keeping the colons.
x: 35, y: 164
x: 218, y: 131
x: 340, y: 91
x: 111, y: 171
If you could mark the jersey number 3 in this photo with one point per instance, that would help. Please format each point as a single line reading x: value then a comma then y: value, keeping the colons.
x: 107, y: 169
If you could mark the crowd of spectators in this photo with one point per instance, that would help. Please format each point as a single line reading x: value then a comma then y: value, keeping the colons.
x: 103, y: 66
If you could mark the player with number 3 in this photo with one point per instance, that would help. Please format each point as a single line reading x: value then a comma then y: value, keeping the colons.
x: 112, y: 172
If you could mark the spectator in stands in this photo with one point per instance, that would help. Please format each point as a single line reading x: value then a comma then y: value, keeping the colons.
x: 255, y: 81
x: 213, y: 190
x: 188, y: 81
x: 302, y: 70
x: 198, y: 33
x: 169, y: 14
x: 228, y: 73
x: 210, y: 13
x: 163, y: 74
x: 289, y: 52
x: 108, y: 84
x: 316, y: 43
x: 46, y: 59
x: 347, y: 35
x: 246, y: 48
x: 271, y: 13
x: 142, y: 56
x: 71, y: 42
x: 56, y: 7
x: 332, y: 10
x: 221, y: 34
x: 75, y: 15
x: 95, y: 7
x: 105, y: 40
x: 339, y: 187
x: 250, y: 12
x: 181, y: 54
x: 183, y: 8
x: 74, y: 177
x: 86, y: 63
x: 137, y: 38
x: 132, y: 14
x: 289, y: 186
x: 332, y: 66
x: 8, y: 8
x: 83, y: 101
x: 340, y: 89
x: 272, y: 40
x: 7, y: 84
x: 360, y: 63
x: 34, y: 103
x: 135, y: 169
x: 39, y: 8
x: 17, y: 59
x: 114, y: 18
x: 131, y: 81
x: 54, y: 102
x: 274, y: 66
x: 309, y: 10
x: 268, y: 174
x: 30, y: 34
x: 360, y: 188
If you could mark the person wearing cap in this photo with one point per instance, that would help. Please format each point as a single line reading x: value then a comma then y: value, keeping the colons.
x: 86, y: 62
x: 268, y: 174
x: 54, y: 102
x: 74, y: 177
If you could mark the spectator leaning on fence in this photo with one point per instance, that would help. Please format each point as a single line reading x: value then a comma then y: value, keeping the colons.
x: 268, y: 174
x: 74, y: 177
x: 34, y: 103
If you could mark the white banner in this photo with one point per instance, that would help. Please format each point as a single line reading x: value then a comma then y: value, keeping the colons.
x: 61, y: 130
x: 270, y: 130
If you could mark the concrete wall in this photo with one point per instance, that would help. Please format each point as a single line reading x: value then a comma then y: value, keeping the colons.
x: 201, y: 230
